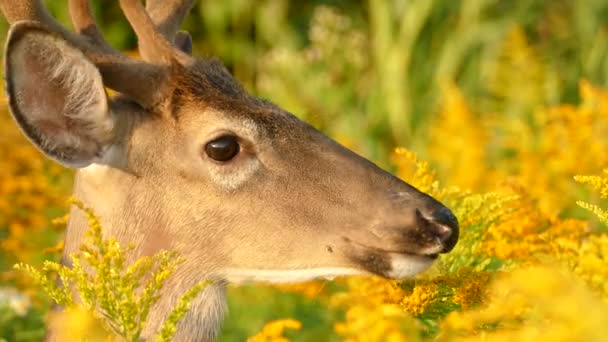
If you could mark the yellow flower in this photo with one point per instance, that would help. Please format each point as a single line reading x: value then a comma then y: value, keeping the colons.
x: 458, y: 132
x: 99, y: 283
x: 78, y: 324
x: 273, y: 331
x: 420, y: 298
x: 472, y: 290
x: 535, y: 304
x: 599, y: 184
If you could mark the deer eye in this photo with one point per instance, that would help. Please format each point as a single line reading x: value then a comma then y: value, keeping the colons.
x: 223, y: 148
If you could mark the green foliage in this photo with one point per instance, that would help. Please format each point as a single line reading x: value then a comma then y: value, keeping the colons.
x: 476, y: 213
x: 378, y: 65
x: 16, y: 326
x: 252, y: 306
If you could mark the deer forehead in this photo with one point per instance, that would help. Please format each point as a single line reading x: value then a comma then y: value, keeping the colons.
x: 207, y: 123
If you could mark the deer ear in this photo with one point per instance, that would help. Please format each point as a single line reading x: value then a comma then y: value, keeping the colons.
x: 57, y: 96
x: 183, y: 41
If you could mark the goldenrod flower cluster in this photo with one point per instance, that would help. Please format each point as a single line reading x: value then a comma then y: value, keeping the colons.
x: 273, y: 331
x: 540, y: 152
x: 599, y: 184
x: 100, y: 284
x: 491, y: 286
x: 31, y: 189
x: 521, y: 268
x: 531, y: 304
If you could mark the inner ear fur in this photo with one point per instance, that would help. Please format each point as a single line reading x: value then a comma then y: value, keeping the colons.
x: 57, y: 96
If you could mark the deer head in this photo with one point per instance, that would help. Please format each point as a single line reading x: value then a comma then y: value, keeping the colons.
x: 185, y: 159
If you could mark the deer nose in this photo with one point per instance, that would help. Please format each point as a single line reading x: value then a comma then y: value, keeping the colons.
x: 444, y: 224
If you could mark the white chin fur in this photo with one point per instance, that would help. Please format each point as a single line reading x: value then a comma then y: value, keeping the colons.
x: 239, y: 276
x: 405, y: 266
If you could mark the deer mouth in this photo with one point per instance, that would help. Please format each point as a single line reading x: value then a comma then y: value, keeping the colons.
x: 404, y: 250
x: 393, y: 265
x: 430, y: 255
x: 408, y: 265
x: 388, y: 263
x: 431, y: 252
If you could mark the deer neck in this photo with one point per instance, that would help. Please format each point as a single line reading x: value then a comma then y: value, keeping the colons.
x: 106, y: 191
x: 99, y: 188
x: 201, y: 323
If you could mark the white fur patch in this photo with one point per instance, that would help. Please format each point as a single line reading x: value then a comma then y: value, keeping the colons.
x: 404, y: 266
x: 239, y: 276
x: 234, y: 174
x: 113, y: 156
x: 86, y: 99
x: 234, y: 177
x: 97, y: 171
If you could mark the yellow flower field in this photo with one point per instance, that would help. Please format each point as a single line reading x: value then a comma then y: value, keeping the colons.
x: 485, y: 116
x: 519, y: 271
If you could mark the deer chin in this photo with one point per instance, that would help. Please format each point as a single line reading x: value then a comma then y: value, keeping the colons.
x: 244, y: 276
x: 391, y: 263
x: 408, y: 265
x: 401, y: 265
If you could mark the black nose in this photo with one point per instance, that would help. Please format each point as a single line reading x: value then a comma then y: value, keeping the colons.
x: 445, y: 226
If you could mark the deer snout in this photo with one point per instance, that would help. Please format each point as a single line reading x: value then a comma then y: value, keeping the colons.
x: 442, y: 224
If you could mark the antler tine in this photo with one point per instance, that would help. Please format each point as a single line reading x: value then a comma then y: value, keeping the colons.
x: 134, y: 78
x: 168, y: 15
x: 29, y: 10
x: 153, y: 46
x: 85, y: 25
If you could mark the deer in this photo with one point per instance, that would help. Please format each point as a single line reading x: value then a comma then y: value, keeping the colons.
x: 181, y: 157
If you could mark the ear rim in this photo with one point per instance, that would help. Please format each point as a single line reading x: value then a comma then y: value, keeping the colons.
x: 16, y: 33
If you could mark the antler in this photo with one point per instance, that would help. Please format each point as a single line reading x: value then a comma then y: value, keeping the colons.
x: 167, y: 16
x: 132, y: 77
x: 85, y: 25
x: 154, y: 39
x: 153, y: 46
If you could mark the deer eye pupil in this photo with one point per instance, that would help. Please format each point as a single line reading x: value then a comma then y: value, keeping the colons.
x: 223, y: 148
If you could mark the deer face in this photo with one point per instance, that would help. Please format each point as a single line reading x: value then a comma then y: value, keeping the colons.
x: 252, y: 192
x: 241, y: 188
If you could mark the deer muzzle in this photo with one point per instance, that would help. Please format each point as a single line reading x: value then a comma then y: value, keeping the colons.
x: 442, y: 226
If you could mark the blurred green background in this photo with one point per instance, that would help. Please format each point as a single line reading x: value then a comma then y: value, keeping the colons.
x: 370, y: 74
x: 379, y: 65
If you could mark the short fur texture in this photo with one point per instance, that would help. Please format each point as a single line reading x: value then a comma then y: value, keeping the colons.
x: 61, y: 103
